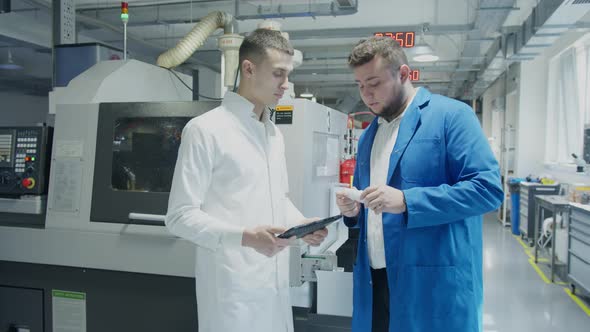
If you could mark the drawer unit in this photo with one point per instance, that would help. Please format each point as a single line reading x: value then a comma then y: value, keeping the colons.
x: 528, y: 191
x: 579, y: 248
x: 579, y: 272
x: 581, y: 217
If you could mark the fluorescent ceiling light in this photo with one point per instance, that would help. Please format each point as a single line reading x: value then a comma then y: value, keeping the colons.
x: 9, y: 64
x: 422, y: 52
x: 426, y: 58
x: 306, y: 94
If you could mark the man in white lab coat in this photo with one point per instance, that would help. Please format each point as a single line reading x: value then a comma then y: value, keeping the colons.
x: 229, y: 197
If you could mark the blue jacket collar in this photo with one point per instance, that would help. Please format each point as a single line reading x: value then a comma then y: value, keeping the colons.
x: 410, y: 122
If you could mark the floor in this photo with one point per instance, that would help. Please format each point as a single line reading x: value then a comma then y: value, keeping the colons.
x: 516, y: 296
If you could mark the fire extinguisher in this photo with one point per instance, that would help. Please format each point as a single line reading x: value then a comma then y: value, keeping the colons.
x: 347, y: 171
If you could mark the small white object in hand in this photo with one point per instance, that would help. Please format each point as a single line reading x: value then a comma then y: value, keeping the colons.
x: 352, y: 193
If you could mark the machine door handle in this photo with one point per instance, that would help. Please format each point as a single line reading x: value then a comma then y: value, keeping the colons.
x: 19, y: 328
x: 145, y: 216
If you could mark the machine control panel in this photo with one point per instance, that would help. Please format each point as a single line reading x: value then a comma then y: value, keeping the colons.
x: 24, y: 160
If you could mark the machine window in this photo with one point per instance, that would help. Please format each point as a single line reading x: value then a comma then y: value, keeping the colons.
x: 144, y: 152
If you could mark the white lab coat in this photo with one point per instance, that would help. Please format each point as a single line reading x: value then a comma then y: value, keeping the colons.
x: 230, y: 175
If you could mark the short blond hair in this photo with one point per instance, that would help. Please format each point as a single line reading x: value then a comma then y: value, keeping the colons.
x: 255, y: 45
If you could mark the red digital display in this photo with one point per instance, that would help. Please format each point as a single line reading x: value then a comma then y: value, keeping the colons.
x: 415, y: 75
x: 405, y: 39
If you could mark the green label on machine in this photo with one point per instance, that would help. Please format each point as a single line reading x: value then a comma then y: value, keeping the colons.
x: 68, y: 310
x: 69, y: 295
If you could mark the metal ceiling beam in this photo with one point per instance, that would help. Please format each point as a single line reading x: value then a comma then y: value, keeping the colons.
x: 159, y: 14
x: 173, y: 12
x: 9, y: 42
x: 490, y: 17
x: 15, y: 26
x: 548, y: 21
x: 366, y: 32
x: 137, y: 4
x: 294, y: 35
x: 499, y: 8
x: 118, y: 29
x: 330, y: 70
x: 333, y: 84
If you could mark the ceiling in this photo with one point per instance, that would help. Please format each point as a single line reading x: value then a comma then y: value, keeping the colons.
x: 466, y: 35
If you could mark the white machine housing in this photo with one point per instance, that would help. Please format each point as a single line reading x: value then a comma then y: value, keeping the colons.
x: 314, y: 144
x: 71, y: 239
x: 122, y: 81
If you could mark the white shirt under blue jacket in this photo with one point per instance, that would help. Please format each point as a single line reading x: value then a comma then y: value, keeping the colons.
x: 433, y: 252
x: 230, y: 175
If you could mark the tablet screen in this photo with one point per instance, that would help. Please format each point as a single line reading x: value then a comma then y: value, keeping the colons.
x: 302, y: 230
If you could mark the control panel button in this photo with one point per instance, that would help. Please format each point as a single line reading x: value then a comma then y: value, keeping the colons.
x: 28, y: 183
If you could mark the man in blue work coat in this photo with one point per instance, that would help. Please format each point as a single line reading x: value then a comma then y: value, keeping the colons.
x: 427, y: 175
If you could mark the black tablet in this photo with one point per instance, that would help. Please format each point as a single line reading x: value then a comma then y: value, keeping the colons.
x: 302, y: 230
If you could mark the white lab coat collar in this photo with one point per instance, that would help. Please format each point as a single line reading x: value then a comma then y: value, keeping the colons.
x: 242, y: 107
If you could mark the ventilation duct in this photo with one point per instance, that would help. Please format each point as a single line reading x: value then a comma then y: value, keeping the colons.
x: 346, y: 4
x: 195, y: 39
x: 293, y: 8
x: 549, y: 20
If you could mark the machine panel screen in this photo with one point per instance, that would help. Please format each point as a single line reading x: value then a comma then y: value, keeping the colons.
x: 145, y: 151
x: 6, y: 152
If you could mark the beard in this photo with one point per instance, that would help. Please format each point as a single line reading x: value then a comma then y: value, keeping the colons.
x: 393, y: 109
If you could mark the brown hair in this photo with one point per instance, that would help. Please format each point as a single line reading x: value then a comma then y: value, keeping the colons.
x: 256, y: 43
x: 387, y: 48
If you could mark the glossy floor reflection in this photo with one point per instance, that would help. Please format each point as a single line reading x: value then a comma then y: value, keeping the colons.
x: 516, y: 298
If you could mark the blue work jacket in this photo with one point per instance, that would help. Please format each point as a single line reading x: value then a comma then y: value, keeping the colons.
x: 444, y: 165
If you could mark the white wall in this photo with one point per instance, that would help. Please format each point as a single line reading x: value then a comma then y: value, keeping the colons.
x: 493, y: 119
x: 566, y: 174
x: 486, y: 117
x: 498, y: 89
x: 17, y: 109
x: 533, y: 113
x: 500, y: 111
x: 531, y: 117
